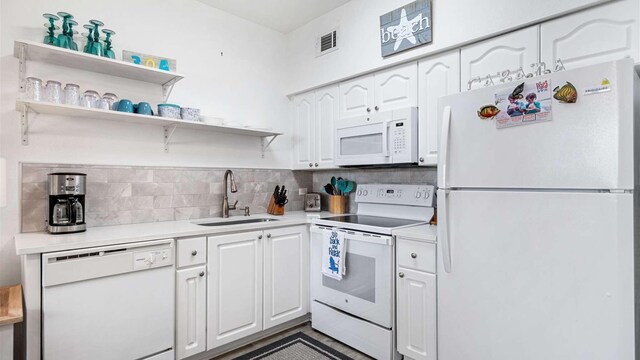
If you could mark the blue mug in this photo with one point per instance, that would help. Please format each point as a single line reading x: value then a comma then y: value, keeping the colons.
x: 125, y: 105
x: 144, y: 108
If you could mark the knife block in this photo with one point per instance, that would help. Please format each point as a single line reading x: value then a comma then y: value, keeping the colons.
x: 273, y: 208
x: 337, y: 204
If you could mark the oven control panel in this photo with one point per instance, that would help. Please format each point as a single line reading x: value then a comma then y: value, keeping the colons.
x: 417, y: 195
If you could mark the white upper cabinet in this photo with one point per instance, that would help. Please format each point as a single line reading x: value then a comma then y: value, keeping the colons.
x: 390, y: 89
x: 437, y: 76
x: 356, y: 97
x: 327, y: 108
x: 303, y: 130
x: 234, y: 300
x: 507, y: 52
x: 286, y: 274
x: 396, y: 88
x: 604, y: 33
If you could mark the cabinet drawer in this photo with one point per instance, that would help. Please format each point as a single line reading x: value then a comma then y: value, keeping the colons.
x: 416, y: 255
x: 192, y: 252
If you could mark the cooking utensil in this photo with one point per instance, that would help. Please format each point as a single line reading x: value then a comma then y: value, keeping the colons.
x: 333, y: 181
x: 341, y: 186
x: 329, y: 189
x: 348, y: 187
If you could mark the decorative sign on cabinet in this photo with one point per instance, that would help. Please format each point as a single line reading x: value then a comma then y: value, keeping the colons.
x: 406, y: 27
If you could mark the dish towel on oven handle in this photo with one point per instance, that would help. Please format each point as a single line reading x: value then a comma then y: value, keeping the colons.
x: 333, y: 253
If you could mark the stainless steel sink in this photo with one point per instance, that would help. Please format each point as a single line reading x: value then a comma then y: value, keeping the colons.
x: 237, y: 222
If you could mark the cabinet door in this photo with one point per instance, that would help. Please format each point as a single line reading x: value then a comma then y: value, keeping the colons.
x: 604, y: 33
x: 286, y: 275
x: 437, y: 76
x: 327, y: 110
x: 396, y: 88
x: 416, y: 311
x: 303, y: 133
x: 356, y: 97
x: 191, y: 301
x: 510, y: 51
x: 234, y: 300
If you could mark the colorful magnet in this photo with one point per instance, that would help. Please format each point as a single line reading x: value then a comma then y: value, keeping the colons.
x: 566, y: 94
x: 488, y: 112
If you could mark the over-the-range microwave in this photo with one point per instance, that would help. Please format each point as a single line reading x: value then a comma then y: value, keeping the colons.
x: 388, y: 137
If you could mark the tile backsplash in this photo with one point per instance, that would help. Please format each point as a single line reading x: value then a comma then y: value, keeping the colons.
x: 410, y: 175
x: 129, y: 194
x: 135, y: 194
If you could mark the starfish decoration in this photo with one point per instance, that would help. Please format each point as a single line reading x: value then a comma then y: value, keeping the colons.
x: 404, y: 29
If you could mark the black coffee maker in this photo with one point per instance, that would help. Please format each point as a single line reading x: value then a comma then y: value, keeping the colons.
x: 66, y: 202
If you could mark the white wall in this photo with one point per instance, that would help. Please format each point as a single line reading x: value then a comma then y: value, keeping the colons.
x: 245, y: 85
x: 454, y: 23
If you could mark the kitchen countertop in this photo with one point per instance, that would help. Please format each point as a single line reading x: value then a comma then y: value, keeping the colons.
x: 426, y: 233
x: 41, y: 242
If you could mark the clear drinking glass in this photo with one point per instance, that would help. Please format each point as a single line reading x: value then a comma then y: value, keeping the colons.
x: 53, y: 92
x: 111, y: 98
x: 71, y: 95
x: 33, y: 89
x: 90, y: 99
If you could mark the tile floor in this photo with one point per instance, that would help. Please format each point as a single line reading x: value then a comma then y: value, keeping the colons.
x: 306, y: 329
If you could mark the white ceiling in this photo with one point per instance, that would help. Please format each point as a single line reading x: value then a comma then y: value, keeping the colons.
x: 280, y: 15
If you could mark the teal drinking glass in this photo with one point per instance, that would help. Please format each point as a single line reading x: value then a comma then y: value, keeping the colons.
x: 108, y: 51
x: 89, y: 45
x: 50, y: 38
x: 96, y: 46
x: 64, y: 40
x: 72, y: 44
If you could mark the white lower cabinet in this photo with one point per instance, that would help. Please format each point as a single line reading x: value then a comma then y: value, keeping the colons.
x: 191, y: 307
x: 416, y: 305
x: 286, y: 275
x: 256, y: 280
x: 234, y: 300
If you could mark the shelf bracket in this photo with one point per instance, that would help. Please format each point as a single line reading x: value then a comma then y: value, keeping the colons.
x: 168, y: 133
x: 22, y: 68
x: 24, y: 124
x: 266, y: 146
x: 167, y: 88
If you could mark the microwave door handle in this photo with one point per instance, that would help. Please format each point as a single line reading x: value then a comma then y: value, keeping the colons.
x: 385, y: 138
x: 443, y: 152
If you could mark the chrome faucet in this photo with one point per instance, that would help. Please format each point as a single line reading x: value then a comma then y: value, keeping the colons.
x: 225, y: 200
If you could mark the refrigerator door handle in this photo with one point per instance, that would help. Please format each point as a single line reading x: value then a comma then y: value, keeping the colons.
x: 443, y: 152
x: 443, y: 229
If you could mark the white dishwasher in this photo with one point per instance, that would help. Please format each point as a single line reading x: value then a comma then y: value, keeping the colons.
x: 112, y: 302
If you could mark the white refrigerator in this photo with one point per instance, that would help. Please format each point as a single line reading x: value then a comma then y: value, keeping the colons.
x: 537, y: 220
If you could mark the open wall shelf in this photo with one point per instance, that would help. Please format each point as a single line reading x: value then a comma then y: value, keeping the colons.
x: 170, y: 125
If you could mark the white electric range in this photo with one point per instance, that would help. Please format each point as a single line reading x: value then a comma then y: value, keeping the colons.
x: 359, y: 310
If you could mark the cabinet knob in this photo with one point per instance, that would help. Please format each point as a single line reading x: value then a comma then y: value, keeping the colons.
x: 259, y: 237
x: 414, y: 255
x: 421, y: 159
x: 368, y: 109
x: 201, y: 274
x: 310, y: 165
x: 401, y: 274
x: 377, y: 108
x: 194, y: 253
x: 269, y: 236
x: 316, y: 164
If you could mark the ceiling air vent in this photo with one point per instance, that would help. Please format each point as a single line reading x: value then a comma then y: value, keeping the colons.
x: 327, y: 43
